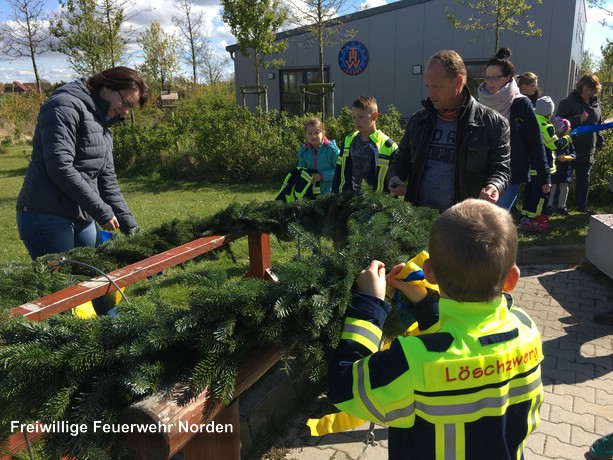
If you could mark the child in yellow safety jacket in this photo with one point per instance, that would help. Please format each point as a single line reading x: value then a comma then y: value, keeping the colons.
x: 535, y: 202
x: 468, y: 389
x: 561, y: 180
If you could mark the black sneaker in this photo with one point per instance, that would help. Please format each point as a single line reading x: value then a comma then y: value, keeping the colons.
x: 562, y: 211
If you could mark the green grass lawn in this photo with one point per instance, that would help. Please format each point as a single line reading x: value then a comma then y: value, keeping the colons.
x: 153, y: 201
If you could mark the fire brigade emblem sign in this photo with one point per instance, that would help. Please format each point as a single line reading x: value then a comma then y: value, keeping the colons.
x: 353, y: 58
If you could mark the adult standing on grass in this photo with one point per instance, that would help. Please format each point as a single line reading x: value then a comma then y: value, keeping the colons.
x: 454, y: 148
x: 499, y: 91
x: 70, y: 183
x: 581, y: 108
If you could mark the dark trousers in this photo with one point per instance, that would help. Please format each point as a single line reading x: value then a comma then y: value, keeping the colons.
x: 582, y: 183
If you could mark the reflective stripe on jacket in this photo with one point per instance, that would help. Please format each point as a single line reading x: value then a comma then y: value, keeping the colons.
x: 298, y: 184
x: 470, y: 391
x: 552, y: 142
x: 385, y: 148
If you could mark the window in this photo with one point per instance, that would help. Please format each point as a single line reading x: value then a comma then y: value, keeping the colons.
x: 476, y: 74
x: 291, y: 93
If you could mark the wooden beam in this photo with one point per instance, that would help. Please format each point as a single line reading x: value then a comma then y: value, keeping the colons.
x: 161, y: 409
x: 68, y: 298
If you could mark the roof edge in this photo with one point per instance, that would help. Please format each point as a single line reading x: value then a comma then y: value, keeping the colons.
x: 346, y: 18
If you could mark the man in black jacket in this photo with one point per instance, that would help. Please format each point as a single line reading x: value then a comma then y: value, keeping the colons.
x: 454, y: 148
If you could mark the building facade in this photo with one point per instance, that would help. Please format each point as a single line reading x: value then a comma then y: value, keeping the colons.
x: 392, y: 43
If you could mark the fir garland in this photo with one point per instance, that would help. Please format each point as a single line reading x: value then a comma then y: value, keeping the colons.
x: 86, y: 370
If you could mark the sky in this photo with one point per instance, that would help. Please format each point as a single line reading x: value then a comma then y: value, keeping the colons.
x: 54, y: 68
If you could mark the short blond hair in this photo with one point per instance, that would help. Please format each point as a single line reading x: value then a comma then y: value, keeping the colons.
x: 473, y: 246
x: 366, y: 103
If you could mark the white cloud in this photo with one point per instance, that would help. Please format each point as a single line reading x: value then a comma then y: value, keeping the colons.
x: 372, y: 4
x: 54, y: 66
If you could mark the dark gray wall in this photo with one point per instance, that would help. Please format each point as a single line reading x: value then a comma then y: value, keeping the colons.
x: 405, y: 33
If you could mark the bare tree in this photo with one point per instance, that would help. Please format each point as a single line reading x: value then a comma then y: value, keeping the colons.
x: 214, y: 67
x: 25, y: 34
x: 193, y: 36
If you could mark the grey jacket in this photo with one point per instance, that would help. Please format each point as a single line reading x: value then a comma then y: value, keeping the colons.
x: 482, y: 150
x: 71, y: 173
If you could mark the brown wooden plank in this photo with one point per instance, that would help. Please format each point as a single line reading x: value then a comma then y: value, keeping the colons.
x: 68, y: 298
x: 218, y: 445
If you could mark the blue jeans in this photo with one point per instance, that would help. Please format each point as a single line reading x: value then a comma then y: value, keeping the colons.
x: 47, y: 234
x: 509, y: 197
x: 582, y: 184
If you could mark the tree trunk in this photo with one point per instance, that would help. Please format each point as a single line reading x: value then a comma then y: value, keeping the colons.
x: 257, y: 77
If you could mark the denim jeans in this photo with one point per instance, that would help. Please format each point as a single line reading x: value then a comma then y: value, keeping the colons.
x: 508, y: 198
x: 47, y: 234
x: 582, y: 183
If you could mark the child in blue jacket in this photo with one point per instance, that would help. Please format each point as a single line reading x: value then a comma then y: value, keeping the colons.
x: 319, y: 154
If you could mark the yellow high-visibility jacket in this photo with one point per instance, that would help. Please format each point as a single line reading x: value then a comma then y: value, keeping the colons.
x: 470, y: 391
x: 384, y: 148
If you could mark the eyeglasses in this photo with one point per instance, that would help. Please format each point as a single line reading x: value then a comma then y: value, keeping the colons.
x: 124, y: 101
x: 494, y: 78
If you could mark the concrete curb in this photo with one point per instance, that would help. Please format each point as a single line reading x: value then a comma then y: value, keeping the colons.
x: 564, y: 254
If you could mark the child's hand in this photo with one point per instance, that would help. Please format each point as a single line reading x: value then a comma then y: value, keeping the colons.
x: 413, y: 293
x: 371, y: 280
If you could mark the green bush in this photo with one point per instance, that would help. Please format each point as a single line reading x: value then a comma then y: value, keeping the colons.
x: 603, y: 166
x: 206, y: 137
x: 210, y: 138
x: 18, y: 113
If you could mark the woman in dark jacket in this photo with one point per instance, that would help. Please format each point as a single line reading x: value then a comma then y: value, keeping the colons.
x: 582, y: 107
x: 71, y: 183
x: 499, y: 91
x: 528, y: 85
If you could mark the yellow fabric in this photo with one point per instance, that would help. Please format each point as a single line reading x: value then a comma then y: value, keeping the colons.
x: 87, y: 311
x: 84, y: 311
x: 333, y: 423
x: 413, y: 265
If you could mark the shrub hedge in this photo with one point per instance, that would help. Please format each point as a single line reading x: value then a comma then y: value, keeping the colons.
x: 207, y: 137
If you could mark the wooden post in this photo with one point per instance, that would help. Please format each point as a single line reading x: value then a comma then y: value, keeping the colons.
x: 260, y: 259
